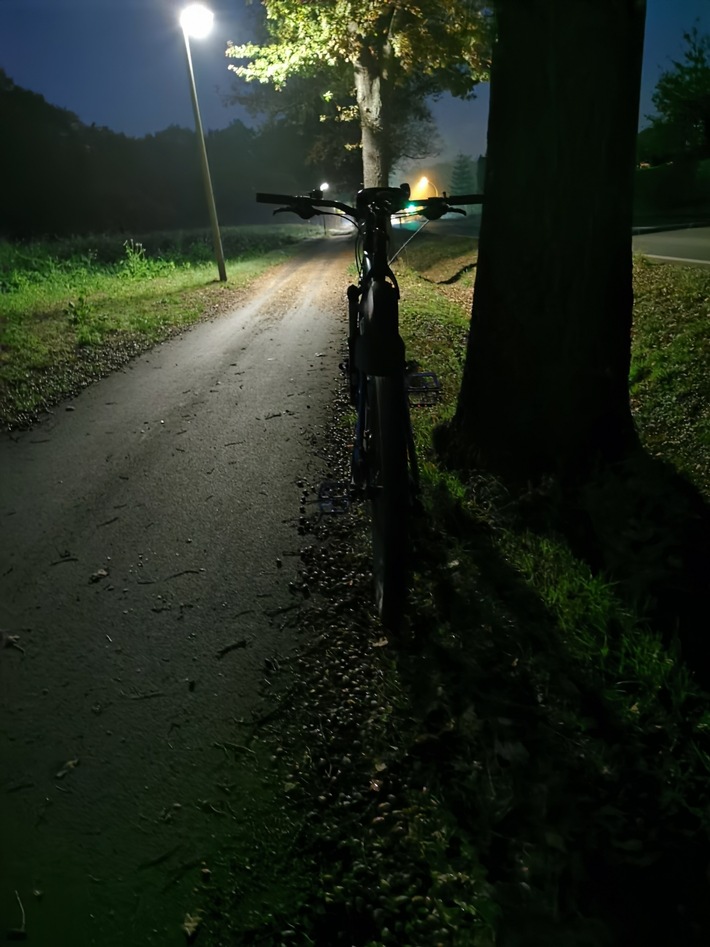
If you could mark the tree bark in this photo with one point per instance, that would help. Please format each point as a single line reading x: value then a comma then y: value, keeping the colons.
x: 545, y: 386
x: 372, y: 100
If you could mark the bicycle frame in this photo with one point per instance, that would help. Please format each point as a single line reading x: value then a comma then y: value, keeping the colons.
x: 375, y: 346
x: 384, y: 461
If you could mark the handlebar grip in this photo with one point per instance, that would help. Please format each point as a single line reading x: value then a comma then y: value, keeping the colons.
x: 464, y: 199
x: 264, y: 198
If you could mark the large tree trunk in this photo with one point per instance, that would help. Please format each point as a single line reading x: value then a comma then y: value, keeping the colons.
x: 545, y: 387
x: 372, y: 100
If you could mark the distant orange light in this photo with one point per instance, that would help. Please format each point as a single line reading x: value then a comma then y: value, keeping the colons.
x: 424, y: 188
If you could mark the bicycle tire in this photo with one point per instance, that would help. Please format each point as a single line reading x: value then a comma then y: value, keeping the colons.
x: 390, y: 496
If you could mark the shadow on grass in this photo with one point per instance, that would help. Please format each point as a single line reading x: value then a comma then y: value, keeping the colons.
x: 648, y: 529
x: 589, y: 820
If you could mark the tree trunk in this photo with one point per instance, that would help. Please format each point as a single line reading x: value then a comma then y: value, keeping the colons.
x: 371, y: 91
x: 545, y: 386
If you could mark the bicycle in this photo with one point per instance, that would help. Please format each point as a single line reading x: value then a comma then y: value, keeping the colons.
x: 384, y: 461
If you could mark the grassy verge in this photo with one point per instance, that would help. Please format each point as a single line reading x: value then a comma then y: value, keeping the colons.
x: 586, y: 772
x: 670, y: 384
x: 75, y: 309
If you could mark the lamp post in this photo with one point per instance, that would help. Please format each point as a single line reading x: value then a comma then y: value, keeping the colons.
x: 196, y: 21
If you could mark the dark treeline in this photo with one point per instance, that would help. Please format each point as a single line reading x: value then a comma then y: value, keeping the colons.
x: 61, y: 177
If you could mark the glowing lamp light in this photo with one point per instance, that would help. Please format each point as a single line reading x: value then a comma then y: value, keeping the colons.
x: 424, y: 183
x: 196, y: 20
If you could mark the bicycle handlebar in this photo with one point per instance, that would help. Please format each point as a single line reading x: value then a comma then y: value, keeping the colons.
x: 463, y: 199
x: 298, y: 202
x: 307, y: 205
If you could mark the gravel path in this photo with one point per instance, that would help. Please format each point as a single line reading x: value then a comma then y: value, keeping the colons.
x: 149, y: 537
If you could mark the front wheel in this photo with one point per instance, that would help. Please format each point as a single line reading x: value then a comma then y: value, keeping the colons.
x: 390, y: 495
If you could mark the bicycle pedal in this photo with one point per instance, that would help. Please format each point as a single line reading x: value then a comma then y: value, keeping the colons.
x: 333, y: 497
x: 423, y: 388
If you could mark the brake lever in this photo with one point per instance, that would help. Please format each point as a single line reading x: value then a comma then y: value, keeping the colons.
x: 305, y: 213
x: 437, y: 211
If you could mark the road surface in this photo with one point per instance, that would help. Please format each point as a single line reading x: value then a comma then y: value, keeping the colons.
x: 691, y: 245
x: 148, y: 539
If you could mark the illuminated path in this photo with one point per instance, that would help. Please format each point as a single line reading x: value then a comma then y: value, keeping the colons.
x: 148, y: 540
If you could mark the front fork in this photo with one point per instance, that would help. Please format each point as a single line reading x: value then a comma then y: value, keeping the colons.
x: 357, y: 384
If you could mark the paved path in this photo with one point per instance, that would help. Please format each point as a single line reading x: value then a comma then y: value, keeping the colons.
x: 148, y: 539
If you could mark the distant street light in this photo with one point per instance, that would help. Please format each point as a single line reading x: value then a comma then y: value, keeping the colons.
x: 323, y: 188
x: 196, y: 21
x: 424, y: 181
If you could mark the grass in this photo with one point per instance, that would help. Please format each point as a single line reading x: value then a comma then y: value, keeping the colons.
x: 70, y: 308
x: 670, y: 385
x: 605, y: 777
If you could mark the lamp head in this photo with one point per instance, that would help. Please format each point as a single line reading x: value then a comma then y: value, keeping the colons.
x: 196, y: 20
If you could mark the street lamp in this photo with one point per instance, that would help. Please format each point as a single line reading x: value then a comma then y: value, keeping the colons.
x: 196, y: 21
x: 424, y: 181
x: 323, y: 188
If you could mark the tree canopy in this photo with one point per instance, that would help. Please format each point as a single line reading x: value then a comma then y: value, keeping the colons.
x: 464, y: 175
x: 362, y: 53
x: 682, y: 100
x: 64, y: 177
x: 330, y: 130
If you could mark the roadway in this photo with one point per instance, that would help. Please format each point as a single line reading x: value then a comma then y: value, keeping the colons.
x: 690, y: 245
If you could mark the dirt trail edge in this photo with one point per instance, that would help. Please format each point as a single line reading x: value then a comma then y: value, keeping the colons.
x: 149, y: 537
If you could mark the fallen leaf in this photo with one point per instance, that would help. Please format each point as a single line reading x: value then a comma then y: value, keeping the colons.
x: 67, y: 768
x: 190, y: 926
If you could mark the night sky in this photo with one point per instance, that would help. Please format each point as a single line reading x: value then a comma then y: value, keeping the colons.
x: 121, y: 63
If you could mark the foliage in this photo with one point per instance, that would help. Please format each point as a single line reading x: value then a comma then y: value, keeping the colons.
x: 329, y: 131
x: 69, y: 178
x: 676, y: 190
x: 361, y: 52
x: 464, y: 175
x: 682, y: 99
x: 71, y: 310
x: 447, y: 40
